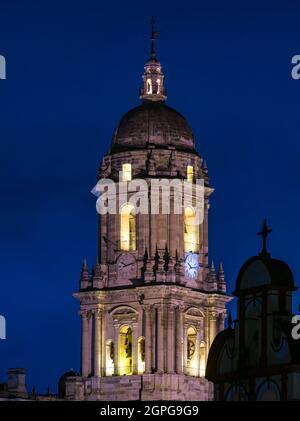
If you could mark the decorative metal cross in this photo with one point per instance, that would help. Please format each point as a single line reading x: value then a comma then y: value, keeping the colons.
x: 264, y: 234
x: 154, y: 35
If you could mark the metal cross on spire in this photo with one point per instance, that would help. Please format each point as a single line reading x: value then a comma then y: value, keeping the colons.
x: 264, y: 234
x: 154, y: 35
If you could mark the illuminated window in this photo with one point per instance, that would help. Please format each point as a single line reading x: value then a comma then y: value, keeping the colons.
x: 149, y: 86
x: 128, y: 228
x: 190, y: 173
x: 158, y: 85
x: 126, y: 172
x: 191, y: 363
x: 125, y: 351
x: 141, y: 355
x: 109, y: 358
x: 191, y: 231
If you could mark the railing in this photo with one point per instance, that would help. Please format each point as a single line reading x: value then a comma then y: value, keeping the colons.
x: 129, y: 370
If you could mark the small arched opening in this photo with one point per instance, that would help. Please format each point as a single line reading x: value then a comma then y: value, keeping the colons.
x: 125, y: 350
x: 191, y: 231
x: 191, y: 363
x: 109, y: 358
x: 128, y: 228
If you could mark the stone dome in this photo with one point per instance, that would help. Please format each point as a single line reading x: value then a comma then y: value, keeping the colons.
x: 153, y: 122
x: 264, y: 272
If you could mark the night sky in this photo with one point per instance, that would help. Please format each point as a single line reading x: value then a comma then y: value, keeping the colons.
x: 73, y: 69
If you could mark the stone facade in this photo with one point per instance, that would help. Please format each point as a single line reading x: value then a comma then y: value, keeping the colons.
x: 148, y: 316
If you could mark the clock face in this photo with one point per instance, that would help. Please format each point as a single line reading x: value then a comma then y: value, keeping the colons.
x: 126, y: 266
x: 191, y: 265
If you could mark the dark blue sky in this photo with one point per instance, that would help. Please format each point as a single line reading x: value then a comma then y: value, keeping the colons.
x: 73, y: 69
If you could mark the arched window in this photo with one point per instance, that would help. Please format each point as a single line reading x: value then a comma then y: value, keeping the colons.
x: 149, y: 86
x: 189, y: 173
x: 191, y: 363
x: 158, y: 85
x: 128, y: 228
x: 191, y: 231
x: 236, y: 393
x: 126, y: 172
x: 109, y: 358
x: 125, y: 351
x: 202, y: 359
x: 141, y: 355
x: 268, y: 391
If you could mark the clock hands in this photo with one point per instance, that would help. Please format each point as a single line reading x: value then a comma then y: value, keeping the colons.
x: 192, y: 267
x: 129, y: 264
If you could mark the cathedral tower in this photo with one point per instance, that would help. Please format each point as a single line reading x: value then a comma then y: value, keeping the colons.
x: 152, y: 305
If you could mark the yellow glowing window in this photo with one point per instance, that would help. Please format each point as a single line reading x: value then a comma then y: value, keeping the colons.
x: 128, y: 228
x: 141, y: 355
x: 191, y: 231
x: 125, y: 351
x: 126, y: 172
x: 190, y: 173
x: 149, y: 86
x: 109, y: 358
x: 158, y: 85
x: 192, y: 367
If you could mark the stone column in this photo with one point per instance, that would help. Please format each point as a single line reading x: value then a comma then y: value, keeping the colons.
x: 85, y: 344
x: 153, y: 317
x: 90, y: 346
x: 160, y: 339
x: 221, y: 322
x: 202, y: 339
x: 205, y: 235
x: 212, y: 326
x: 153, y: 237
x: 185, y: 348
x: 134, y: 348
x: 201, y: 328
x: 197, y: 352
x: 102, y: 244
x: 179, y: 340
x: 103, y: 344
x: 180, y: 222
x: 173, y: 231
x: 148, y: 340
x: 97, y: 343
x: 170, y: 340
x: 206, y: 328
x: 116, y: 348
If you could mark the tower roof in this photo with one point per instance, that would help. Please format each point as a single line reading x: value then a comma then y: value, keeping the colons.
x: 264, y: 272
x: 153, y: 122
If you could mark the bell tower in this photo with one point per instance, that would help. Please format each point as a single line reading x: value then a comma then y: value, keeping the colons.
x: 152, y: 305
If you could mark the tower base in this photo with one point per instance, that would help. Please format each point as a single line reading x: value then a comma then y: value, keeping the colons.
x: 146, y: 387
